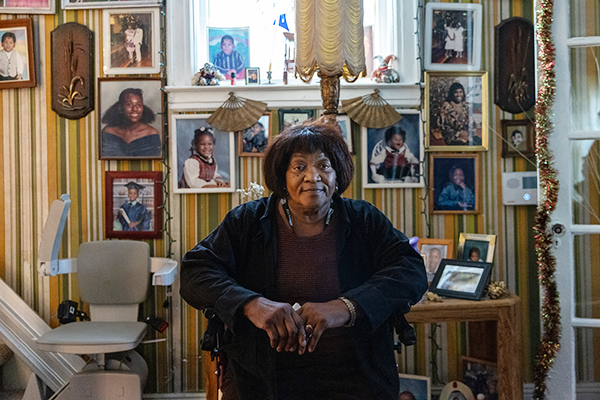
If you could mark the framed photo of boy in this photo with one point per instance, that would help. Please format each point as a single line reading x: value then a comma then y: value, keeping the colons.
x: 77, y: 4
x: 392, y: 156
x: 518, y: 138
x: 27, y: 6
x: 17, y: 61
x: 461, y: 279
x: 252, y: 76
x: 229, y: 50
x: 435, y: 250
x: 414, y: 387
x: 130, y: 122
x: 453, y: 37
x: 476, y: 247
x: 455, y: 182
x: 253, y: 142
x: 132, y: 38
x: 456, y: 109
x: 203, y: 156
x: 133, y: 204
x: 293, y: 117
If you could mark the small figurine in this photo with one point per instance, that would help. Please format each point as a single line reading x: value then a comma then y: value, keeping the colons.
x: 209, y: 75
x: 385, y: 73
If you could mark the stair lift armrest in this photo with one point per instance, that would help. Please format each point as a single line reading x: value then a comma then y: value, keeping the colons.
x: 55, y: 267
x: 164, y: 270
x: 48, y: 262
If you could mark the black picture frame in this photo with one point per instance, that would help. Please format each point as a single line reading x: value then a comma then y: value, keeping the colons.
x: 461, y: 279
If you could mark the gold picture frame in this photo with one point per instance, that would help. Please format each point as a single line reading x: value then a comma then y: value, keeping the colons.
x: 485, y: 244
x: 456, y: 122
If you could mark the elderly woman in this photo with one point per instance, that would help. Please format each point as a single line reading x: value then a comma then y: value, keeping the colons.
x: 127, y: 132
x: 306, y: 282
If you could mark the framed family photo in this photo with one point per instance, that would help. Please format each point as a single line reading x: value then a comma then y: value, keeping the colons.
x: 518, y: 138
x: 229, y: 50
x: 203, y: 157
x: 27, y: 6
x: 414, y: 387
x: 461, y: 279
x: 453, y: 36
x: 17, y: 61
x: 291, y: 117
x: 456, y: 108
x: 77, y: 4
x: 132, y: 38
x: 434, y: 251
x: 252, y: 76
x: 476, y: 247
x: 454, y: 179
x: 133, y: 204
x: 392, y: 156
x: 130, y: 122
x: 253, y: 142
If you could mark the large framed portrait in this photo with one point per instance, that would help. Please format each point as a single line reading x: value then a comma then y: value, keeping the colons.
x: 27, y: 6
x: 253, y: 142
x: 75, y: 4
x: 133, y: 204
x: 295, y: 116
x: 455, y: 182
x: 453, y: 37
x: 203, y: 157
x: 130, y: 123
x: 132, y: 38
x: 434, y: 251
x: 17, y: 61
x: 414, y: 387
x: 518, y: 138
x: 456, y: 108
x: 480, y: 376
x: 392, y: 156
x: 461, y: 279
x: 476, y: 247
x: 229, y: 50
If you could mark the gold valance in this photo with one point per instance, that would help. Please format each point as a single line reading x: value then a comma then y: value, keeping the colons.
x: 330, y: 38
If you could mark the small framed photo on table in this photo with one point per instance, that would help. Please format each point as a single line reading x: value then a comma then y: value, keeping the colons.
x: 253, y: 142
x: 434, y: 251
x: 453, y: 36
x: 17, y: 46
x: 476, y: 247
x: 252, y: 76
x: 518, y: 138
x: 461, y: 279
x: 133, y: 204
x: 132, y: 41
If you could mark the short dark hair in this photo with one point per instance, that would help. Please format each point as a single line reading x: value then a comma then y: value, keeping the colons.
x: 515, y: 132
x: 9, y: 35
x: 474, y: 250
x: 115, y: 115
x: 227, y: 37
x: 308, y: 137
x: 394, y: 130
x: 198, y: 133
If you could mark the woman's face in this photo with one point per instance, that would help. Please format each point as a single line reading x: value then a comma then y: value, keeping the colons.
x: 133, y: 106
x: 310, y: 180
x: 459, y: 95
x: 459, y: 176
x: 206, y: 146
x: 396, y: 142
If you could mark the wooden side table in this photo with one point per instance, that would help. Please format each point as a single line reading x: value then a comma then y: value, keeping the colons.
x: 506, y: 312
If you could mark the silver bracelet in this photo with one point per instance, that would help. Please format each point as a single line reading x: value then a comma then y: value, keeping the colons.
x: 352, y: 310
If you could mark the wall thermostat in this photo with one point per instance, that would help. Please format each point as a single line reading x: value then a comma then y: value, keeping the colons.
x: 519, y: 188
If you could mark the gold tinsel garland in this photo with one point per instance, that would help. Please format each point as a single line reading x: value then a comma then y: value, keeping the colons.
x: 550, y: 310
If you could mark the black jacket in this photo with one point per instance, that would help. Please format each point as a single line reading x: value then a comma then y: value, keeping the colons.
x: 379, y: 271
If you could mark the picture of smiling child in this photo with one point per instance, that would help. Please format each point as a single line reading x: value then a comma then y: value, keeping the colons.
x: 11, y: 62
x: 200, y: 170
x: 229, y: 60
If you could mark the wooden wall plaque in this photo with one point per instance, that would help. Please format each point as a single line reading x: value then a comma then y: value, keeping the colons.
x: 72, y: 70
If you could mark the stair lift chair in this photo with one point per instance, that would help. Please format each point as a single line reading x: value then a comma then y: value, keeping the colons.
x: 113, y: 278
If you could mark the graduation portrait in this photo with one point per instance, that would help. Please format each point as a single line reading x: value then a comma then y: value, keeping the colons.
x: 133, y: 204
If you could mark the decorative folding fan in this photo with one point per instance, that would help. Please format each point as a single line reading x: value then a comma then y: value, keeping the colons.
x: 371, y: 111
x: 236, y: 114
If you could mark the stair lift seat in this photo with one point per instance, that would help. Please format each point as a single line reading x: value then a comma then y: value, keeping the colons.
x: 113, y: 278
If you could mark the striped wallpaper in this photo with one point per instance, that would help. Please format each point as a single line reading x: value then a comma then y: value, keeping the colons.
x: 45, y: 156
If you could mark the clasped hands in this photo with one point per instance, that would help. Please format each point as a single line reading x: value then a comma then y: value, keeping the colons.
x: 287, y: 328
